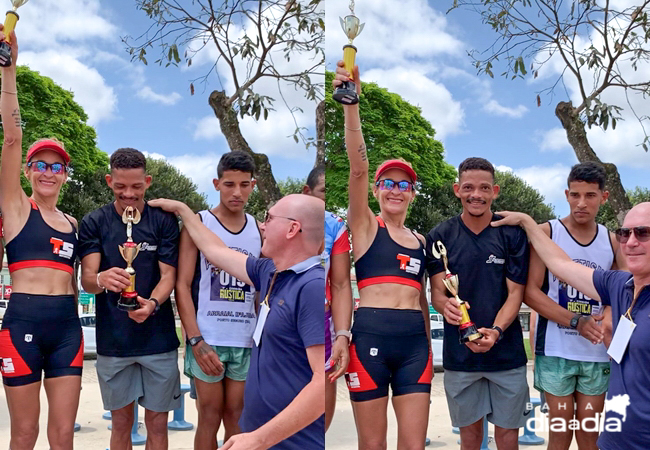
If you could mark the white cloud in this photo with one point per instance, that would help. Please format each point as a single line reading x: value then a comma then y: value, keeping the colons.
x: 554, y: 140
x: 438, y: 107
x: 66, y: 21
x: 495, y: 108
x: 207, y: 128
x: 154, y: 155
x: 90, y: 90
x: 146, y: 93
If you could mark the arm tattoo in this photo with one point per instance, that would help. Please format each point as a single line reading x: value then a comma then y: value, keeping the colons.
x: 362, y: 152
x: 16, y: 116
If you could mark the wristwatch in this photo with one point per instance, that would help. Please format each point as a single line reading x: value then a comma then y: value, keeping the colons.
x: 195, y: 340
x: 155, y: 308
x: 574, y: 321
x: 500, y: 333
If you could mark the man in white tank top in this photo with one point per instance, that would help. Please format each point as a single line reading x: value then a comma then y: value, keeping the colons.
x: 571, y: 365
x: 217, y: 310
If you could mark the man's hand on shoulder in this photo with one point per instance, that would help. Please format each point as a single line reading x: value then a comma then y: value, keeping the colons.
x: 514, y: 219
x: 144, y: 311
x: 172, y: 206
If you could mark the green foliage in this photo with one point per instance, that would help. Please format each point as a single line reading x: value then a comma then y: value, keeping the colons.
x: 169, y: 182
x: 607, y: 216
x: 256, y: 205
x: 392, y: 128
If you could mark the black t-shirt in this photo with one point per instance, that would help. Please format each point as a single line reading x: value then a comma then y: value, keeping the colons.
x: 482, y: 263
x: 102, y: 231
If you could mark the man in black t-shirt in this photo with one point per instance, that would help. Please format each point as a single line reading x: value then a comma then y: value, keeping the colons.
x: 486, y: 377
x: 137, y: 357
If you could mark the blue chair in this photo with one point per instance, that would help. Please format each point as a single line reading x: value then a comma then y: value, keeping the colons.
x: 179, y: 423
x: 529, y: 437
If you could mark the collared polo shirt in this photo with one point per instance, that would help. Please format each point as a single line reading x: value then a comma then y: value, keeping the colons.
x: 628, y: 397
x: 279, y: 367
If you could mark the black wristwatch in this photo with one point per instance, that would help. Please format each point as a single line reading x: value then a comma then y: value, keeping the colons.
x: 195, y: 340
x: 500, y: 333
x: 155, y: 308
x: 574, y: 321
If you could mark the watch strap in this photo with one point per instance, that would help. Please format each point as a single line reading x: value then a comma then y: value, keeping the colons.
x: 500, y: 330
x: 155, y: 308
x: 345, y: 333
x: 195, y: 340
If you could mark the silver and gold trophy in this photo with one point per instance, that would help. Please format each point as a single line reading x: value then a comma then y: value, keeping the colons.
x: 467, y: 328
x: 346, y: 93
x: 129, y: 298
x: 10, y: 24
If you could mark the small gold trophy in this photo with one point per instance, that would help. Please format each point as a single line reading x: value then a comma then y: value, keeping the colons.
x: 467, y: 329
x: 346, y: 93
x: 10, y: 24
x: 129, y: 299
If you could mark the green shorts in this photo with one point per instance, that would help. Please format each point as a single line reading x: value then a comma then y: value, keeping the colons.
x: 236, y: 361
x: 562, y: 377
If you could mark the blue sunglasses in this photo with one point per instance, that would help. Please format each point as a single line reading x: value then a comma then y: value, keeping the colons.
x: 388, y: 185
x: 42, y: 166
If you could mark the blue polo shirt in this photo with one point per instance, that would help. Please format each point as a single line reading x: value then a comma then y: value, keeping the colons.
x: 628, y: 397
x: 279, y: 367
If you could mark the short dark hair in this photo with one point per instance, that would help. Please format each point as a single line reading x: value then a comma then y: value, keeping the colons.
x: 236, y: 160
x: 314, y: 175
x: 475, y: 164
x: 589, y: 172
x: 128, y: 158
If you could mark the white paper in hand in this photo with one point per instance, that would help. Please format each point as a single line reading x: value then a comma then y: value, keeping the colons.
x: 261, y: 319
x: 621, y: 339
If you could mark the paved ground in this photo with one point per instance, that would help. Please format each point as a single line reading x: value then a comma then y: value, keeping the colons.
x: 94, y: 434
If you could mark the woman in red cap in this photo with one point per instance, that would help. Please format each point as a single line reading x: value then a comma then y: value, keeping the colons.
x: 390, y: 343
x: 40, y: 332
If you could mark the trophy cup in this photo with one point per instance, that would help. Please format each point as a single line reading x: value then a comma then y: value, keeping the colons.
x: 346, y: 93
x: 10, y: 24
x: 129, y: 298
x: 467, y: 329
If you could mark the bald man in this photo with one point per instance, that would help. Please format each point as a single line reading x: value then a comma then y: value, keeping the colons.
x: 283, y: 400
x: 627, y: 409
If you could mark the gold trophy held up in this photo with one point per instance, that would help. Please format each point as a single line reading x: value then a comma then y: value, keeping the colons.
x: 10, y: 23
x: 467, y: 329
x: 346, y: 93
x: 129, y: 299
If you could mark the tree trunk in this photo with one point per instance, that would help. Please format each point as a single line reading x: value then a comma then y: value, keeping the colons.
x: 320, y: 134
x: 577, y: 136
x: 229, y: 125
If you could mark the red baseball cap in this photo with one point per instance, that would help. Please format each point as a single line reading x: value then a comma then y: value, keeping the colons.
x: 396, y: 164
x: 48, y: 144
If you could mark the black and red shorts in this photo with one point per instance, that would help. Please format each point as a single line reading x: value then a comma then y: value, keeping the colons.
x: 40, y: 334
x: 389, y: 348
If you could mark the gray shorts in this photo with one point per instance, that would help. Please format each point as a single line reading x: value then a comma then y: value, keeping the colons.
x: 501, y: 396
x: 153, y: 380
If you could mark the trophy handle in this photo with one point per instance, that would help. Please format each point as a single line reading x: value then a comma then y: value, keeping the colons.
x: 137, y: 249
x: 360, y: 28
x: 121, y: 249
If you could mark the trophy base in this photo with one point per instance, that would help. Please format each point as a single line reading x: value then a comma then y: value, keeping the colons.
x: 5, y: 54
x: 469, y: 333
x: 346, y: 93
x: 128, y: 302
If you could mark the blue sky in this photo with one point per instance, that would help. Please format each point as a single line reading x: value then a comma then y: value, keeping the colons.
x: 413, y: 48
x: 78, y: 44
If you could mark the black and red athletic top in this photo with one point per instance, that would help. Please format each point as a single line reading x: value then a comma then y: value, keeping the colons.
x: 388, y: 262
x: 40, y: 245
